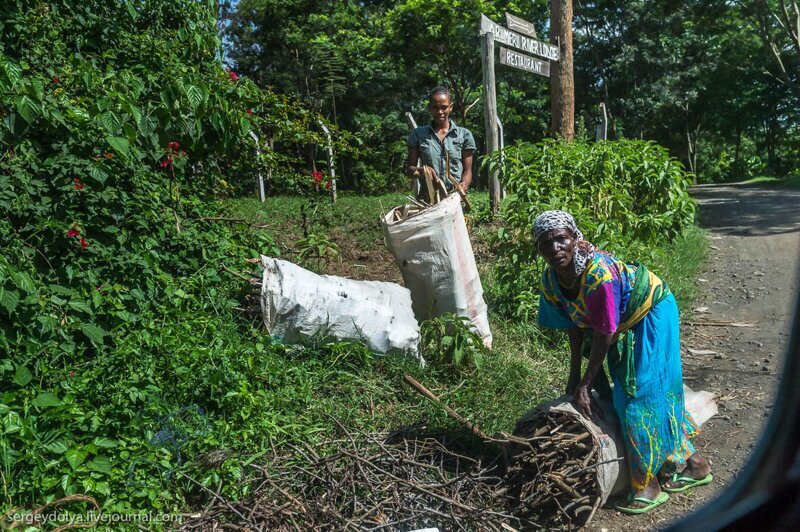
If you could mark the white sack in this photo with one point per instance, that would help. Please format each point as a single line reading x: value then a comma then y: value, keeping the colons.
x: 701, y: 405
x: 298, y: 304
x: 435, y: 258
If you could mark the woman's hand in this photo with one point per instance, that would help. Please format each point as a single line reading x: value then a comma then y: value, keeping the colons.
x: 585, y: 402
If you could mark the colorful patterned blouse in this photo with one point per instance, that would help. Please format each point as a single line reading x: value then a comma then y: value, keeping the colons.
x: 605, y: 288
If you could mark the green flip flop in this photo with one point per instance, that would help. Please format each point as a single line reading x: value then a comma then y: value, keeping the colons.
x: 688, y: 482
x: 649, y: 504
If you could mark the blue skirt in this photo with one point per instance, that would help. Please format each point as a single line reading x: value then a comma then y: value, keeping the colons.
x: 655, y: 424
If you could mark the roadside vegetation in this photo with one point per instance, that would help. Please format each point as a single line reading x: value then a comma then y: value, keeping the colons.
x: 131, y: 368
x: 791, y: 181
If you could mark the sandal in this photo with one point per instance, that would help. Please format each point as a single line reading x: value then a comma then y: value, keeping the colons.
x: 649, y: 504
x: 688, y: 482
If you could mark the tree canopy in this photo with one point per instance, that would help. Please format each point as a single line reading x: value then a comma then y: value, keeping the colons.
x: 715, y: 82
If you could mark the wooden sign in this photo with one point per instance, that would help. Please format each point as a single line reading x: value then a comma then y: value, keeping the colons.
x: 521, y: 42
x: 520, y: 25
x: 524, y: 62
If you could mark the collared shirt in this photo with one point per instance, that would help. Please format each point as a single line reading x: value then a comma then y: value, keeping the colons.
x: 432, y: 151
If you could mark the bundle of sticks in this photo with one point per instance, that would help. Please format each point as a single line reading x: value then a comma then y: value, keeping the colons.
x: 551, y: 474
x: 367, y: 484
x: 410, y: 209
x: 544, y: 475
x: 432, y: 191
x: 552, y: 477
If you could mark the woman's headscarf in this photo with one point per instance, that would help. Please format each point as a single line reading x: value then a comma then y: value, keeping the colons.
x: 582, y: 252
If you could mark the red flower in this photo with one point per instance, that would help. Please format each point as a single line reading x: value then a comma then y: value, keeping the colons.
x: 72, y: 233
x: 174, y: 145
x: 56, y: 79
x: 183, y: 153
x: 71, y: 374
x: 84, y: 243
x: 164, y: 164
x: 249, y: 111
x: 328, y: 184
x: 233, y: 75
x: 78, y: 185
x: 317, y: 175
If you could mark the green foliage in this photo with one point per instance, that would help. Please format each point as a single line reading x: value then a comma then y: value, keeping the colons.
x: 792, y: 181
x: 673, y: 73
x: 316, y: 249
x: 449, y: 339
x: 121, y: 132
x: 626, y: 196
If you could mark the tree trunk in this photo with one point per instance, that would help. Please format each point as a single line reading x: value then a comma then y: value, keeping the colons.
x: 562, y: 84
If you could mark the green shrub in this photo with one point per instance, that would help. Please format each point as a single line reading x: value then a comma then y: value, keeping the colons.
x: 450, y: 340
x: 121, y: 132
x: 626, y: 196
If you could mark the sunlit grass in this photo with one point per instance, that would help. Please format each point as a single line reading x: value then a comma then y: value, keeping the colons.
x: 528, y: 365
x: 789, y: 181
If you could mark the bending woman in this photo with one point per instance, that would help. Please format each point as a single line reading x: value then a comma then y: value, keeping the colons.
x: 623, y: 313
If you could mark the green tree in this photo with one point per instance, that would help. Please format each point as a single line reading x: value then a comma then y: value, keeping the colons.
x: 689, y: 76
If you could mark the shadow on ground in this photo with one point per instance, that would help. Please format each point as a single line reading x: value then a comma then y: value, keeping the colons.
x: 770, y: 211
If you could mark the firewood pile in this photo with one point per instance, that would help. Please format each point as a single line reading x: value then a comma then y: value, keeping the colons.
x: 432, y: 191
x: 371, y: 482
x: 545, y: 475
x: 552, y: 478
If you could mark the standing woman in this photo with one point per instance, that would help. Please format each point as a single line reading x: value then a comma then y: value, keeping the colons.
x: 441, y: 141
x: 623, y: 313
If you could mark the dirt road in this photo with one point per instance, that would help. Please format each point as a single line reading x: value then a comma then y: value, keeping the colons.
x: 750, y: 279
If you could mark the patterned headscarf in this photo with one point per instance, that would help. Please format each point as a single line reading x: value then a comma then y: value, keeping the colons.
x: 548, y: 220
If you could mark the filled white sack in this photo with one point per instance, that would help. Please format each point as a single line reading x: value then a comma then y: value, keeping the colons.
x: 701, y: 405
x: 298, y: 304
x: 435, y: 257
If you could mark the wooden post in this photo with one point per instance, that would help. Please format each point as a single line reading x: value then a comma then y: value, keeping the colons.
x: 490, y: 114
x: 272, y: 149
x: 601, y: 132
x: 412, y: 125
x: 331, y: 168
x: 259, y: 178
x: 501, y: 138
x: 562, y: 84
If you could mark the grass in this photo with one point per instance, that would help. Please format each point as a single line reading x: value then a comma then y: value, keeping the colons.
x: 195, y: 357
x: 527, y: 365
x: 355, y: 216
x: 522, y: 370
x: 678, y: 264
x: 788, y: 181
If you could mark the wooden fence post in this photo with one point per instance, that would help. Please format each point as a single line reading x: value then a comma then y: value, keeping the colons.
x: 331, y: 168
x: 412, y: 125
x: 490, y: 114
x: 501, y: 137
x: 259, y: 178
x: 601, y: 131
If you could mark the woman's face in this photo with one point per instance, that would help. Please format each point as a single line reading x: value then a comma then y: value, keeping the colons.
x: 556, y: 247
x: 440, y: 108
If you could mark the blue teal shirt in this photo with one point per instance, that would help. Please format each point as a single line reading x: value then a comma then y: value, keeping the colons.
x: 432, y: 151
